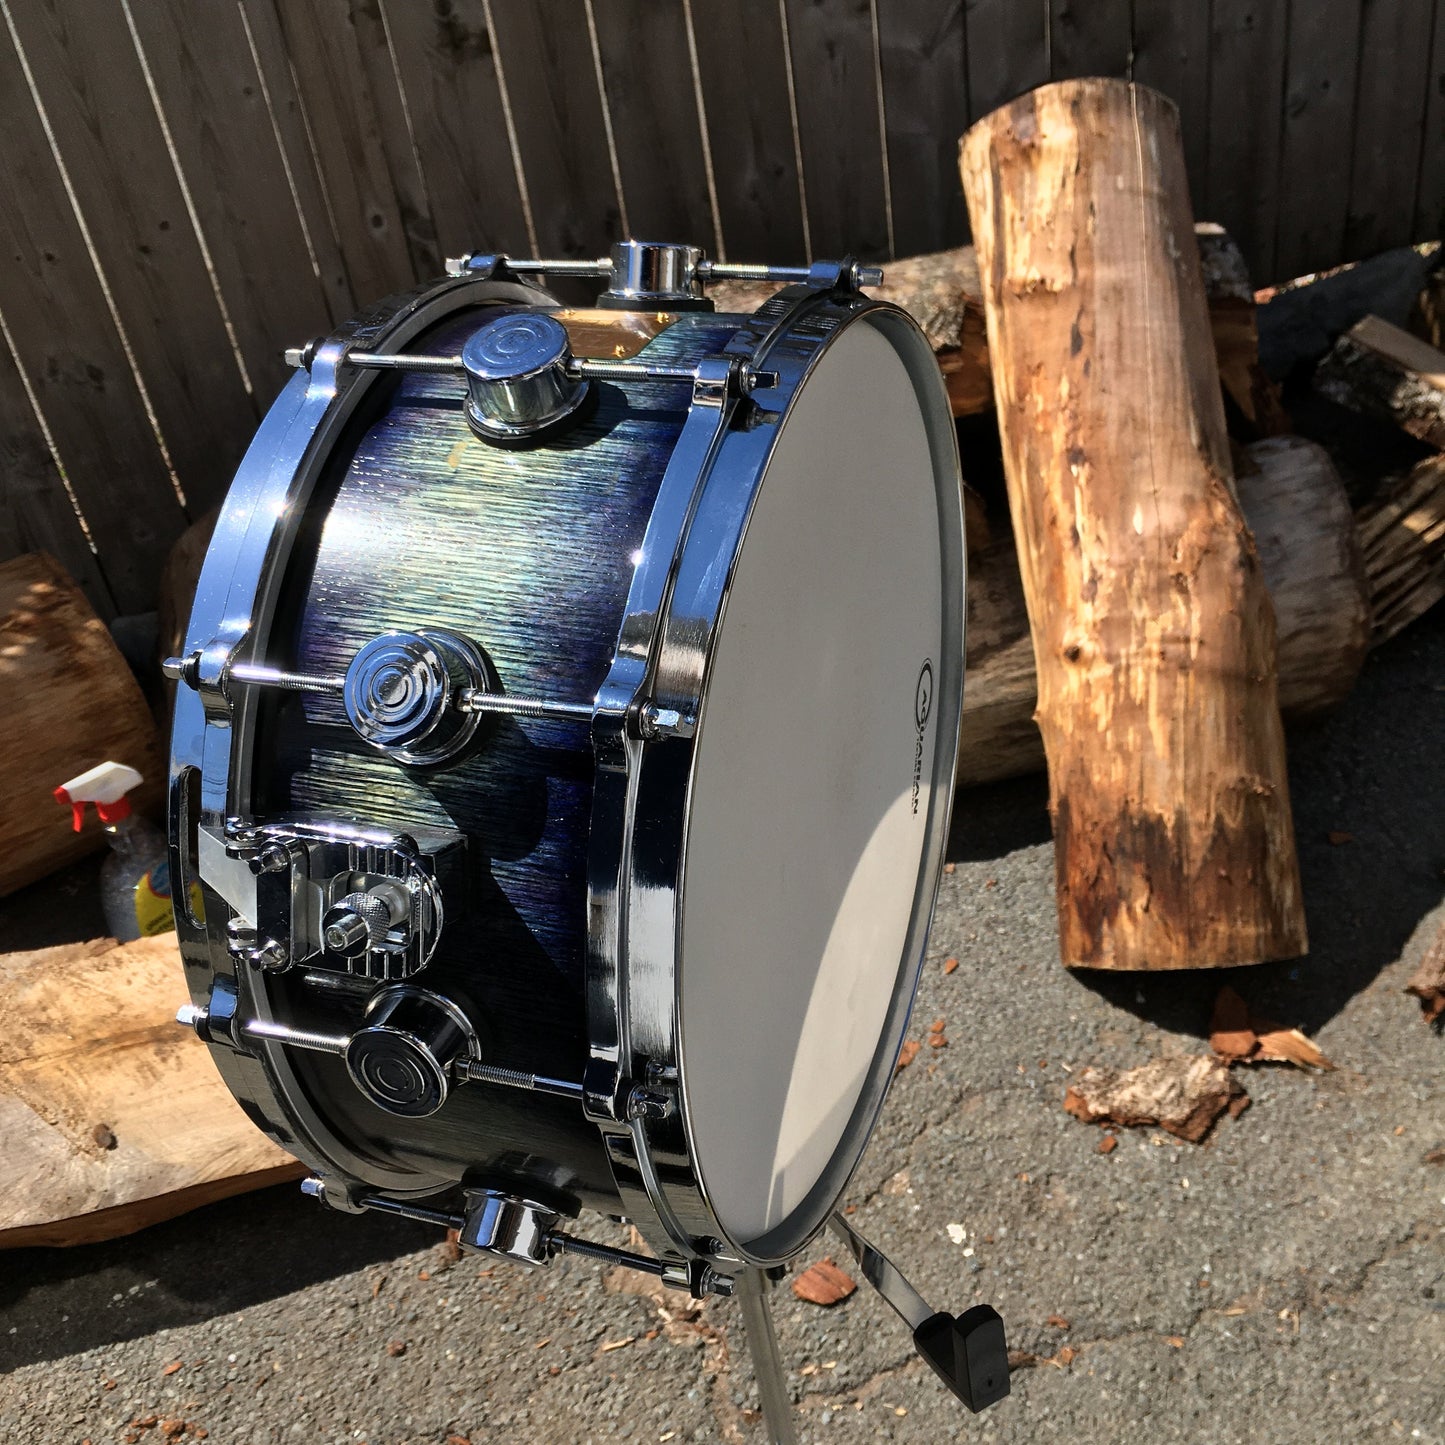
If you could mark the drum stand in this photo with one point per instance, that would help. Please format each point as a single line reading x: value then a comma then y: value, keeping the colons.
x: 967, y: 1352
x: 752, y: 1293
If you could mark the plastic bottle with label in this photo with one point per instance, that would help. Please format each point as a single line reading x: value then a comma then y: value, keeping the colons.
x: 135, y: 888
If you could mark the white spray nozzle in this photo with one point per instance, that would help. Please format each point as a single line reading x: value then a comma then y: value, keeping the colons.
x: 105, y: 785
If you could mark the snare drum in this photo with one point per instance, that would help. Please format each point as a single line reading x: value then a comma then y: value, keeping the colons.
x: 565, y: 751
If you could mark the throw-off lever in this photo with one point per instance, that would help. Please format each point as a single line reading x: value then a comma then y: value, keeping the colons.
x: 968, y: 1352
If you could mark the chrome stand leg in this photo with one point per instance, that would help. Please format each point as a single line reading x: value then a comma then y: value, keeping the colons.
x: 753, y: 1287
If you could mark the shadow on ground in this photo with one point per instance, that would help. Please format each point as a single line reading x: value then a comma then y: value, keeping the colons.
x: 1372, y: 776
x: 215, y: 1260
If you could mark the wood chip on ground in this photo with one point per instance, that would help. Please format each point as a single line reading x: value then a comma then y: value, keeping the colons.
x: 1239, y: 1036
x: 823, y: 1284
x: 1183, y: 1095
x: 1427, y: 983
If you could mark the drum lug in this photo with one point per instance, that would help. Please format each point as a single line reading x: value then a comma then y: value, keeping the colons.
x: 605, y: 1093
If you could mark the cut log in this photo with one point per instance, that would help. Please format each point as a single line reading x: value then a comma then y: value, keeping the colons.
x: 1382, y: 371
x: 1295, y: 504
x: 112, y: 1117
x: 1153, y: 632
x: 70, y: 703
x: 1402, y: 543
x: 1235, y: 330
x: 941, y: 292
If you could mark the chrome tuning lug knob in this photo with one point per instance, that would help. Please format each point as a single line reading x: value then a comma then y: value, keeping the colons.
x: 520, y: 379
x: 401, y: 692
x: 402, y: 1059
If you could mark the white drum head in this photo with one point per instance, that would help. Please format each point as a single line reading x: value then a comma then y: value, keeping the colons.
x: 813, y: 774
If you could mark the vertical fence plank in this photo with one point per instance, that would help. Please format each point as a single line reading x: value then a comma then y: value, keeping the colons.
x: 94, y: 91
x: 743, y: 70
x: 273, y: 66
x: 835, y: 81
x: 35, y: 514
x: 1088, y: 37
x: 925, y: 109
x: 1171, y: 55
x: 1246, y: 87
x: 1319, y: 112
x: 215, y: 109
x: 448, y: 75
x: 63, y: 337
x: 1008, y: 51
x: 1390, y: 107
x: 1430, y: 198
x: 353, y: 110
x: 647, y: 72
x: 546, y: 58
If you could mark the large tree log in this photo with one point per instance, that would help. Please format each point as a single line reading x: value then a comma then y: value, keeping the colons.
x: 70, y: 702
x: 1153, y: 632
x: 1295, y: 504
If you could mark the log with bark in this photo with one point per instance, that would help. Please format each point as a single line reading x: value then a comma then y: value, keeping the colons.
x: 1153, y: 632
x: 1235, y: 328
x: 70, y: 702
x: 1384, y: 372
x: 1295, y: 504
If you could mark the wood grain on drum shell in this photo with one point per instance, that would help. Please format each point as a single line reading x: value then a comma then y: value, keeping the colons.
x: 421, y: 524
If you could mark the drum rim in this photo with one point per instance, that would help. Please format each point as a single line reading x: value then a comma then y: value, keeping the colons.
x: 655, y: 1161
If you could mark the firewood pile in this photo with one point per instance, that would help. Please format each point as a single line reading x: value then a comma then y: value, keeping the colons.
x: 1163, y: 563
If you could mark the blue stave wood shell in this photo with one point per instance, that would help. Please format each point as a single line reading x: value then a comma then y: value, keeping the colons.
x: 418, y: 523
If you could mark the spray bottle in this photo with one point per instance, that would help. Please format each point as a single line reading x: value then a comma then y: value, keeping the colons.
x: 135, y: 888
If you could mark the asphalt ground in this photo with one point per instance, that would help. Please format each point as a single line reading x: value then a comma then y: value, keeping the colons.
x: 1282, y: 1281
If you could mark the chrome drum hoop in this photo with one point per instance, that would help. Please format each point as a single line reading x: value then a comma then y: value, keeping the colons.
x: 636, y: 1093
x: 230, y: 621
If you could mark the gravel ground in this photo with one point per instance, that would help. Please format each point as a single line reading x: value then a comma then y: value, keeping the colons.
x: 1283, y: 1281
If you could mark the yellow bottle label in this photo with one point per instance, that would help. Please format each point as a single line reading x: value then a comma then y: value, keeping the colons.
x: 153, y: 912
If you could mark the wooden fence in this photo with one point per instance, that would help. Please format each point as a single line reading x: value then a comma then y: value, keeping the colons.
x: 190, y: 185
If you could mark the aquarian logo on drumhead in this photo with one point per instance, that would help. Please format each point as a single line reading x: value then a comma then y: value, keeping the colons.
x: 922, y: 707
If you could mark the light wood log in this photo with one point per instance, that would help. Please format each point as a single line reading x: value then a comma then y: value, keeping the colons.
x: 70, y: 702
x: 1153, y: 632
x: 1295, y: 504
x: 112, y: 1117
x: 1382, y: 371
